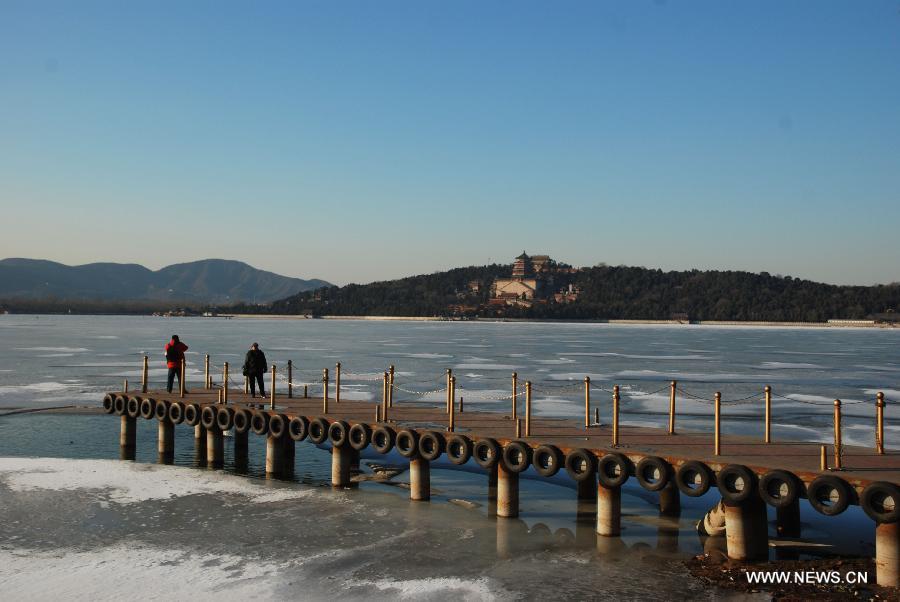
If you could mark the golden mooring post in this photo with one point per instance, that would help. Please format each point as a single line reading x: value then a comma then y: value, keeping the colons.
x: 452, y: 404
x: 528, y: 408
x: 823, y: 458
x: 145, y: 372
x: 447, y: 402
x: 290, y: 376
x: 384, y: 396
x: 768, y: 391
x: 391, y: 386
x: 460, y: 404
x: 837, y: 434
x: 879, y: 423
x: 125, y: 386
x: 337, y: 383
x: 718, y: 406
x: 672, y: 387
x: 518, y: 427
x: 225, y: 383
x: 515, y: 394
x: 587, y: 401
x: 206, y: 382
x: 324, y: 390
x: 246, y: 385
x: 272, y: 390
x: 181, y: 378
x: 615, y: 416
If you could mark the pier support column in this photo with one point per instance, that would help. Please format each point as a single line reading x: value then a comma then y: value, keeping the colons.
x: 340, y: 465
x: 215, y: 452
x: 274, y: 456
x: 587, y: 489
x: 787, y: 520
x: 288, y: 453
x: 887, y: 554
x: 166, y: 441
x: 199, y: 446
x: 492, y: 490
x: 419, y: 479
x: 127, y: 438
x: 354, y: 461
x: 747, y: 529
x: 670, y: 500
x: 609, y: 511
x: 507, y: 492
x: 241, y: 451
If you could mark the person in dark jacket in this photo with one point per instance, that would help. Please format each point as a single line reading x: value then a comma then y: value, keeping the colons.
x: 174, y: 355
x: 254, y: 368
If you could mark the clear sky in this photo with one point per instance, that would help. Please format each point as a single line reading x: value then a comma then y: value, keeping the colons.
x: 371, y: 140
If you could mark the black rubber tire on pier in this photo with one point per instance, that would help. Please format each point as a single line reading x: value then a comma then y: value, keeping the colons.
x: 192, y: 414
x: 318, y: 430
x: 653, y: 473
x: 431, y: 445
x: 208, y: 417
x: 516, y: 456
x: 779, y: 488
x: 736, y: 483
x: 259, y: 422
x: 694, y: 478
x: 486, y: 452
x: 407, y: 443
x: 881, y: 501
x: 176, y: 412
x: 225, y: 418
x: 109, y: 403
x: 581, y: 464
x: 298, y: 428
x: 338, y: 432
x: 120, y: 405
x: 829, y: 495
x: 547, y: 460
x: 240, y: 423
x: 613, y: 470
x: 278, y: 424
x: 148, y: 408
x: 133, y: 407
x: 162, y: 410
x: 459, y: 449
x: 383, y: 439
x: 360, y: 436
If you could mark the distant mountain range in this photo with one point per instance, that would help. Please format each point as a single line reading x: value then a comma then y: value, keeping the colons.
x: 209, y: 281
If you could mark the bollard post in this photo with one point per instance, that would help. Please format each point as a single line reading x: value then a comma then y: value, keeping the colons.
x: 447, y: 404
x: 305, y: 391
x: 518, y: 428
x: 615, y: 416
x: 325, y: 390
x: 823, y: 458
x: 879, y: 423
x: 718, y: 404
x: 272, y: 390
x: 587, y: 401
x: 391, y: 386
x: 290, y: 376
x: 597, y: 416
x: 125, y: 386
x: 377, y: 413
x: 768, y: 391
x: 384, y: 396
x: 515, y: 394
x: 672, y: 387
x: 460, y: 404
x: 206, y: 382
x: 528, y: 408
x: 837, y: 434
x: 225, y: 383
x: 181, y: 378
x: 218, y: 396
x: 246, y: 385
x: 145, y: 372
x: 452, y: 403
x: 337, y: 383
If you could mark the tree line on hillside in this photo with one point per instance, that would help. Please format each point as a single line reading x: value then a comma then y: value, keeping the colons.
x: 605, y: 293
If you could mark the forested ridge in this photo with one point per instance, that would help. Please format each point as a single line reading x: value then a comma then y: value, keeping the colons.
x: 606, y: 292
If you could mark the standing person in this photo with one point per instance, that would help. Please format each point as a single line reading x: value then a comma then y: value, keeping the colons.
x: 254, y: 368
x: 174, y: 355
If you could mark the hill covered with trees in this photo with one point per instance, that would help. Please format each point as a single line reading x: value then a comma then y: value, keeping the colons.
x: 604, y: 292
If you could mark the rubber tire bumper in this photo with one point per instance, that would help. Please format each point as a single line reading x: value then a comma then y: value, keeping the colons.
x: 407, y: 443
x: 779, y: 488
x: 298, y: 428
x: 516, y: 456
x: 431, y: 445
x: 176, y: 412
x: 337, y: 433
x: 360, y: 436
x: 459, y: 449
x: 208, y: 417
x: 873, y: 500
x: 694, y: 478
x: 486, y: 452
x: 727, y: 482
x: 161, y: 410
x: 109, y: 403
x: 192, y: 414
x: 816, y: 491
x: 653, y: 467
x: 581, y: 464
x: 613, y: 470
x: 547, y: 460
x: 259, y: 423
x: 318, y: 430
x: 225, y: 418
x: 241, y: 421
x: 133, y: 407
x: 278, y: 425
x: 383, y: 439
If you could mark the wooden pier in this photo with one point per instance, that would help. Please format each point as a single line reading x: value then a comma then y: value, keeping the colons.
x: 748, y: 472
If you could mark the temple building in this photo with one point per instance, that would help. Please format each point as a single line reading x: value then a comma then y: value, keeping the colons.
x: 532, y: 280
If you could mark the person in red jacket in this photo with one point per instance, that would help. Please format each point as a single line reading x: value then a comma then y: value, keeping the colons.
x: 174, y: 355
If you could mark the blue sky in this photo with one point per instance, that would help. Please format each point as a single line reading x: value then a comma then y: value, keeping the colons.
x: 362, y: 141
